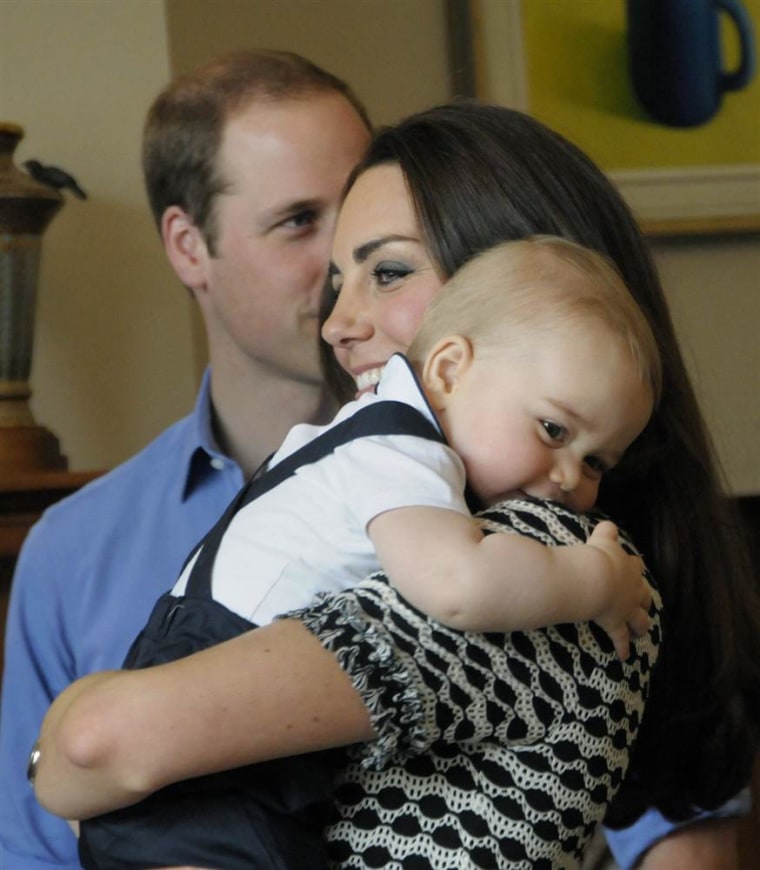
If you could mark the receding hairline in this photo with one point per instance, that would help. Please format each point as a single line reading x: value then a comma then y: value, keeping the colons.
x: 245, y: 76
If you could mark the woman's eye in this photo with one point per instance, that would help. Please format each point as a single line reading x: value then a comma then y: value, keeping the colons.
x: 554, y: 430
x: 387, y: 272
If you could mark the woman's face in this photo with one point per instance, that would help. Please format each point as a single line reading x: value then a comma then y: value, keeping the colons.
x: 382, y: 275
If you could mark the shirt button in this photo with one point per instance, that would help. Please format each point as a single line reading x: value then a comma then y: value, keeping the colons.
x: 218, y: 464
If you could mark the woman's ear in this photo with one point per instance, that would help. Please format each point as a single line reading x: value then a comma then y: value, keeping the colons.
x: 445, y: 364
x: 185, y: 247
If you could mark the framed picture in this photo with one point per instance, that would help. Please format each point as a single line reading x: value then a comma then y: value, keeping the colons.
x: 567, y: 64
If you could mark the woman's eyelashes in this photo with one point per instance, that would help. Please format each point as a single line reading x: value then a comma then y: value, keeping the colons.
x: 383, y: 275
x: 388, y: 272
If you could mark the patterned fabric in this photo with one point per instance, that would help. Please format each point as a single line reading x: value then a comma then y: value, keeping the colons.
x: 493, y: 750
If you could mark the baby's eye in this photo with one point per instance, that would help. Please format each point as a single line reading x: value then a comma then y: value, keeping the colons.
x: 554, y: 430
x: 596, y: 465
x: 387, y: 272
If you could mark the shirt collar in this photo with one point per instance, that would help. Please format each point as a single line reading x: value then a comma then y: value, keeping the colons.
x: 400, y: 381
x: 202, y: 455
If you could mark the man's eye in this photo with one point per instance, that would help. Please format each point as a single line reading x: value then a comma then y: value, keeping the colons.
x: 386, y: 273
x: 554, y: 430
x: 301, y: 219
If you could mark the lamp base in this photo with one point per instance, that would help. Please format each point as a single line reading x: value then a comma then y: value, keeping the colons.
x: 28, y: 449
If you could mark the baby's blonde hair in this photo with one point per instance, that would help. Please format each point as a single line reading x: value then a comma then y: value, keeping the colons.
x: 541, y: 281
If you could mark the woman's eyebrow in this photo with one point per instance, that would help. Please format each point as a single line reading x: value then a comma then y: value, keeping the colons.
x: 361, y: 252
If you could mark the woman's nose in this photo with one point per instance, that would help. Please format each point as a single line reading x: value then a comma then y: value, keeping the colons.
x: 345, y: 325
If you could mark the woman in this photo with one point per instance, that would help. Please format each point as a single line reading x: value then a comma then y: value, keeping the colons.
x: 476, y: 175
x: 667, y: 492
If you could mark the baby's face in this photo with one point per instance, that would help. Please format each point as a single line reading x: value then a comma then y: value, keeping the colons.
x: 546, y: 418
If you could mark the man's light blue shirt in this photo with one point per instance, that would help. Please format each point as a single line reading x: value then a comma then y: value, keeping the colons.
x: 628, y: 845
x: 87, y: 578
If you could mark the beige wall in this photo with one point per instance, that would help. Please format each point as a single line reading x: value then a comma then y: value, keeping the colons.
x: 118, y: 351
x: 113, y: 362
x: 392, y: 51
x: 713, y: 287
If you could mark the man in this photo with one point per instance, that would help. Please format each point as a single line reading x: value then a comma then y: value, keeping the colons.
x: 244, y: 160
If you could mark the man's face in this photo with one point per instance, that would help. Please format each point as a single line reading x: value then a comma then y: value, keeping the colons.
x: 285, y: 164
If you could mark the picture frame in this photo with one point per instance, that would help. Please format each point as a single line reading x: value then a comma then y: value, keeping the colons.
x: 488, y: 61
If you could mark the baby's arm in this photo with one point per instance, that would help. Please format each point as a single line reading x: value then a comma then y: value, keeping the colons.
x: 443, y: 564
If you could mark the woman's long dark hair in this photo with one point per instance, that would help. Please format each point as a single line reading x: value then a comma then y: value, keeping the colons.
x: 481, y: 174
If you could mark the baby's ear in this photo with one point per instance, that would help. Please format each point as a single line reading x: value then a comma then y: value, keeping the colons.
x: 447, y: 361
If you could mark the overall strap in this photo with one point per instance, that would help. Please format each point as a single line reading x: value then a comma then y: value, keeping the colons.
x: 379, y: 418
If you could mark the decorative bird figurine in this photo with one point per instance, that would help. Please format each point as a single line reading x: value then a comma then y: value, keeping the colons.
x: 54, y: 176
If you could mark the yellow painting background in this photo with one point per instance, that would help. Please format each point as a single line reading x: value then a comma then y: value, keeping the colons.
x: 577, y: 81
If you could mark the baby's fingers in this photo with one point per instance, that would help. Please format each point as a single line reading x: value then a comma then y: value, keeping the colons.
x: 640, y: 623
x: 605, y: 530
x: 646, y: 594
x: 621, y: 639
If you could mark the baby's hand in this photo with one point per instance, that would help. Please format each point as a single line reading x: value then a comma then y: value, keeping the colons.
x: 629, y: 595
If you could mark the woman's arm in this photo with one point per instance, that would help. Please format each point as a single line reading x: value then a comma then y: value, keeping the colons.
x: 278, y: 691
x: 112, y: 738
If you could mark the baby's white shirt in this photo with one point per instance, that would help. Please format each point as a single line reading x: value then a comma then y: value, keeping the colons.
x: 309, y: 533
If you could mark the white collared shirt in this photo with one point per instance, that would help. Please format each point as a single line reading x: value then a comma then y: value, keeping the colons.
x: 308, y: 534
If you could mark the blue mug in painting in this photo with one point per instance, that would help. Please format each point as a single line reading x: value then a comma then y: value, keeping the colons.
x: 674, y: 54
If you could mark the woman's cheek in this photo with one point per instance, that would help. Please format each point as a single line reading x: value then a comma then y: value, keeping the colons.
x: 408, y: 317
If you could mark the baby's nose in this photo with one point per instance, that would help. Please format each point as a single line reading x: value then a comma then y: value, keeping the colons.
x: 565, y: 474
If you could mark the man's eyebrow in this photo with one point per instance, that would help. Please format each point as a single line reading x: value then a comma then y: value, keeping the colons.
x: 288, y: 209
x: 361, y: 252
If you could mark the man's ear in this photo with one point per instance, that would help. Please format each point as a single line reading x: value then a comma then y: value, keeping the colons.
x: 185, y: 247
x: 447, y: 361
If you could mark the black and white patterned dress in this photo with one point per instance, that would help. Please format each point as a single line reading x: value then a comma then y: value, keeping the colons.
x: 493, y: 750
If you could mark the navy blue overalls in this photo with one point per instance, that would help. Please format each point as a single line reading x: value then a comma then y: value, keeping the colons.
x: 269, y: 815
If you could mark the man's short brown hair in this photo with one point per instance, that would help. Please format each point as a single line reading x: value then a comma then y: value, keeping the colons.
x: 185, y: 124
